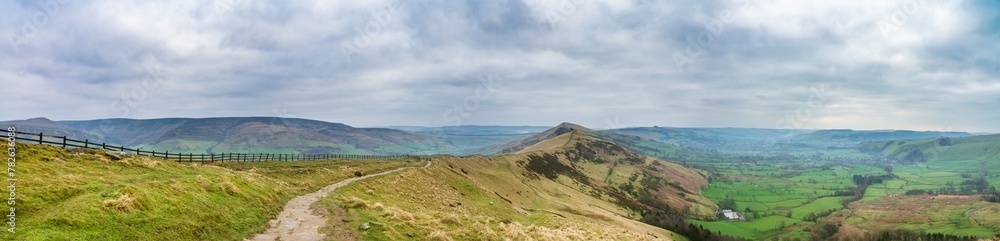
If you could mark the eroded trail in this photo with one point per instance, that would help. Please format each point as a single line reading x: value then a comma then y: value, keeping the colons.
x: 298, y: 222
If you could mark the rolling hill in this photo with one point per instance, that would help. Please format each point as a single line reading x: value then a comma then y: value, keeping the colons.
x: 756, y: 139
x: 49, y: 127
x: 984, y: 150
x: 562, y: 182
x: 277, y: 135
x: 474, y: 139
x: 242, y: 134
x: 713, y: 138
x: 854, y: 137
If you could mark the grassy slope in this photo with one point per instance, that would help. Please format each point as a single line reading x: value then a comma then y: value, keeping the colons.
x: 499, y: 197
x: 85, y: 195
x: 484, y: 198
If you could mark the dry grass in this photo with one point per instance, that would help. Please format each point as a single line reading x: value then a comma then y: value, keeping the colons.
x: 86, y: 195
x: 444, y: 203
x: 125, y: 203
x: 944, y: 214
x: 989, y: 216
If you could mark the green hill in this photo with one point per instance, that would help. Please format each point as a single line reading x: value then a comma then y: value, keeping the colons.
x: 245, y: 134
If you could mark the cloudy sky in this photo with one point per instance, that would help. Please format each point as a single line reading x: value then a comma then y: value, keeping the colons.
x: 924, y: 65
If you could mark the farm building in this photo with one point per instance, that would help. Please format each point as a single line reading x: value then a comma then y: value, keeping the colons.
x: 730, y: 215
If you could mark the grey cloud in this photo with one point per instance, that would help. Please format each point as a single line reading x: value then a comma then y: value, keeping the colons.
x: 585, y: 62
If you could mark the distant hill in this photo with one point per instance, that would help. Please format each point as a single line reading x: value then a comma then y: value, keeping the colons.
x: 713, y: 138
x: 474, y: 139
x: 854, y: 137
x: 982, y: 150
x: 242, y: 134
x: 49, y: 127
x: 756, y: 139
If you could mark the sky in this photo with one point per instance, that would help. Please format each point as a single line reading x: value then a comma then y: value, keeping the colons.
x: 791, y: 64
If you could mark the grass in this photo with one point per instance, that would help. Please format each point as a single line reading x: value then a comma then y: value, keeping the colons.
x: 773, y: 188
x: 818, y: 206
x: 85, y: 195
x: 479, y: 198
x: 938, y: 214
x: 756, y: 229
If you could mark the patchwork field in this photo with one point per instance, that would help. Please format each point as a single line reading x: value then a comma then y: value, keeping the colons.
x: 805, y: 192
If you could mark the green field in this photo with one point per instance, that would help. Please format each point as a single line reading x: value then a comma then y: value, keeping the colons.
x: 795, y: 186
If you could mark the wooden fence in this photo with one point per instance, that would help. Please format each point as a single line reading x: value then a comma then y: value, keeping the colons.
x: 64, y: 142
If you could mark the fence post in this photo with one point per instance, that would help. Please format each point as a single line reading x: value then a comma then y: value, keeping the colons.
x: 190, y: 157
x: 86, y: 143
x: 64, y: 142
x: 104, y: 146
x: 40, y: 137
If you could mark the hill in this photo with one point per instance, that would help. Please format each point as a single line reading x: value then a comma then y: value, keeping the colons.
x: 854, y: 137
x: 635, y: 143
x: 712, y: 138
x: 474, y: 139
x: 635, y: 181
x: 984, y: 150
x: 756, y: 139
x: 49, y: 127
x: 561, y: 183
x: 245, y: 134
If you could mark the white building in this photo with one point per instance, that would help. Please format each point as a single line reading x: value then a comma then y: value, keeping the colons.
x: 731, y: 215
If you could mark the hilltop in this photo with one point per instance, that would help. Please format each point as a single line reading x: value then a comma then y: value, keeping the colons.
x: 522, y: 143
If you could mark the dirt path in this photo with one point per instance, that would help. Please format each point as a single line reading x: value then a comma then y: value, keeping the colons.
x: 972, y: 216
x: 298, y: 222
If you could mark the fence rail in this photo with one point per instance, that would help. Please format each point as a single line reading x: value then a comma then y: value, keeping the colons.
x: 64, y: 142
